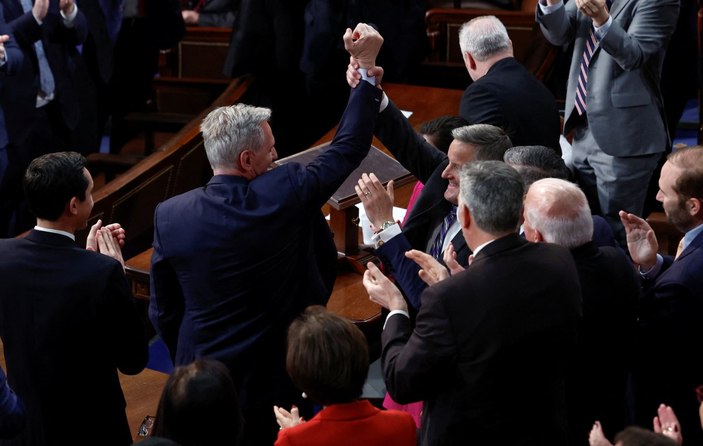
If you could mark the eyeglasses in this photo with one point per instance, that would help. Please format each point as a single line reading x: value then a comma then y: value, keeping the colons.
x: 146, y: 426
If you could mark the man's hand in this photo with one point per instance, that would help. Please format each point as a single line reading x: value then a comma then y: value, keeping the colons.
x: 431, y: 271
x: 40, y: 9
x: 377, y: 201
x: 667, y: 424
x: 381, y: 290
x: 190, y: 17
x: 449, y: 258
x: 641, y: 241
x: 363, y: 44
x: 91, y: 243
x: 3, y: 38
x: 66, y: 6
x: 597, y: 10
x: 287, y: 419
x: 108, y: 245
x: 353, y: 76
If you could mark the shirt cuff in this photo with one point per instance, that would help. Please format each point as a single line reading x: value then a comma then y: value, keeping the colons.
x: 548, y: 9
x: 653, y: 271
x: 384, y: 102
x: 365, y: 76
x: 384, y: 236
x: 68, y: 19
x: 602, y: 30
x: 394, y: 312
x: 3, y: 60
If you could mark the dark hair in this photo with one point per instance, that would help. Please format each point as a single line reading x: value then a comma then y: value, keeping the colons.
x: 440, y: 130
x: 536, y: 163
x: 199, y: 406
x: 327, y: 357
x: 52, y: 180
x: 689, y: 184
x: 636, y: 436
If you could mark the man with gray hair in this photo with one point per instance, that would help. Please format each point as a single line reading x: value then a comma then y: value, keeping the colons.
x: 503, y: 92
x: 556, y: 211
x: 237, y: 260
x: 505, y: 324
x: 478, y: 142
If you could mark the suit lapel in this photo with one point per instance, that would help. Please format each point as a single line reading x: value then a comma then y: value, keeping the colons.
x: 618, y: 6
x: 694, y: 245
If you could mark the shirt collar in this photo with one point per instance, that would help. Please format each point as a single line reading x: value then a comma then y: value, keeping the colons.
x: 56, y: 231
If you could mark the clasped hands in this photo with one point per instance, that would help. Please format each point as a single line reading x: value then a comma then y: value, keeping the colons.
x: 107, y: 240
x: 41, y: 8
x: 597, y: 10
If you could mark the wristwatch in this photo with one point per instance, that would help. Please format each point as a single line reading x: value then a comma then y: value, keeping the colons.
x: 385, y: 225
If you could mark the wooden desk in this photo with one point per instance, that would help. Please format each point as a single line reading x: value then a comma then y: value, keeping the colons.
x: 142, y: 393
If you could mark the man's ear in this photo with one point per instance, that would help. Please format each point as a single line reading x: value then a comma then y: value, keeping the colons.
x: 72, y: 206
x: 469, y: 61
x: 245, y: 160
x: 539, y: 238
x: 694, y: 206
x: 465, y: 217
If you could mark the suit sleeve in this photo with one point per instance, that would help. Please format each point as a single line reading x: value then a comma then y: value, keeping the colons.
x: 25, y: 29
x: 166, y: 302
x: 13, y: 55
x: 415, y: 362
x: 409, y: 149
x: 650, y: 29
x: 322, y: 177
x: 404, y: 270
x: 126, y: 330
x: 559, y: 27
x: 12, y: 413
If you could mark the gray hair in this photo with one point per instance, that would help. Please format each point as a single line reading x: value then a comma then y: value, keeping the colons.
x: 490, y: 142
x: 536, y: 162
x: 493, y: 192
x: 227, y: 131
x: 560, y: 212
x: 483, y: 37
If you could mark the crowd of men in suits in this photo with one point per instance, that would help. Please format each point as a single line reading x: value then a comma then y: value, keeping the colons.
x: 514, y: 317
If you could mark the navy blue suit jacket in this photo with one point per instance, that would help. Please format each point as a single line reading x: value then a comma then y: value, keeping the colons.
x: 669, y: 322
x: 509, y: 97
x: 14, y: 59
x: 20, y: 92
x: 237, y: 260
x: 509, y: 320
x: 67, y: 326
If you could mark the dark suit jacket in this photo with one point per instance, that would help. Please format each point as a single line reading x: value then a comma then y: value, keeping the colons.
x: 669, y: 320
x: 20, y: 92
x: 218, y: 13
x: 352, y: 424
x: 237, y: 260
x: 14, y: 59
x: 497, y: 332
x: 67, y: 325
x: 426, y: 162
x: 610, y: 289
x: 509, y: 97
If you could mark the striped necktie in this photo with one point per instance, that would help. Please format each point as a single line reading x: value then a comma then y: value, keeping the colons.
x: 436, y: 248
x: 588, y: 51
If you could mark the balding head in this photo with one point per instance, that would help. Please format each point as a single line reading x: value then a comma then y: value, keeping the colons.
x: 557, y: 211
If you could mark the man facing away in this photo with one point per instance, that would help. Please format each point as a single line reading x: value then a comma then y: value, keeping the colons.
x: 499, y: 330
x: 237, y: 260
x: 504, y: 93
x: 672, y: 300
x: 67, y: 318
x: 556, y: 211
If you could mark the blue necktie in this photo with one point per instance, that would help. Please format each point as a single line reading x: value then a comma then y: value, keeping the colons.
x: 46, y: 78
x: 112, y: 11
x: 436, y: 248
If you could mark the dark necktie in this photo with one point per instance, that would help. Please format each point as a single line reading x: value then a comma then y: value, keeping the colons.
x: 436, y: 248
x: 112, y: 11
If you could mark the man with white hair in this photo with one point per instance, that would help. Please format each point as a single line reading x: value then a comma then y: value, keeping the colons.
x: 556, y: 211
x: 504, y: 93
